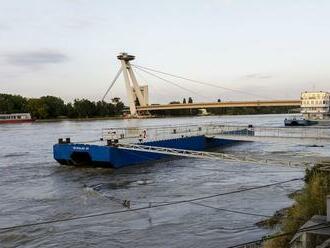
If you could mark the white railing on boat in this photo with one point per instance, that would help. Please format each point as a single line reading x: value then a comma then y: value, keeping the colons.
x: 154, y: 133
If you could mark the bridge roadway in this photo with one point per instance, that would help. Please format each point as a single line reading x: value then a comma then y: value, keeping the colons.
x: 231, y: 104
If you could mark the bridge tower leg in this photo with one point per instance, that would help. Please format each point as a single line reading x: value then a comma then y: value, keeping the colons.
x: 131, y: 83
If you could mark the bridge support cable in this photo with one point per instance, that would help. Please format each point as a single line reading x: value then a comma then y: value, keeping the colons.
x: 151, y: 86
x: 199, y: 82
x: 206, y: 155
x: 112, y: 83
x: 172, y: 83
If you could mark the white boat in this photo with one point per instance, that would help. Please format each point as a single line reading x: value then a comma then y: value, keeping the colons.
x: 15, y: 118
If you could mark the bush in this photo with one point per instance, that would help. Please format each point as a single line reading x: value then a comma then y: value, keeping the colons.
x: 312, y: 201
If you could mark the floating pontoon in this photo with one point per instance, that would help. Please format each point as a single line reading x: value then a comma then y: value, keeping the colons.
x: 121, y: 147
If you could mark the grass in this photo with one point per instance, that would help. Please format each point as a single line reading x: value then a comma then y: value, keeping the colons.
x: 311, y: 201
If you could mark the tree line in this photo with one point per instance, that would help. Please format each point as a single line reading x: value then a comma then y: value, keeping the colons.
x: 48, y: 107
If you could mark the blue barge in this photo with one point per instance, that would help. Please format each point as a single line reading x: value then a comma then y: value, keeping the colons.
x: 68, y: 153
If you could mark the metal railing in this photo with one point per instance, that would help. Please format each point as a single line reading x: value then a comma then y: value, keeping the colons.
x: 211, y: 155
x: 153, y: 133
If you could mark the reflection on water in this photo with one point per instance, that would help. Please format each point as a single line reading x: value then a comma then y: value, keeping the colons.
x: 35, y: 188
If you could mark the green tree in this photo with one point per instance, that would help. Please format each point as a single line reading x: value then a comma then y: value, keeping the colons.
x: 12, y: 104
x: 84, y: 108
x: 46, y: 107
x: 70, y: 111
x: 54, y: 106
x: 37, y: 109
x: 119, y: 108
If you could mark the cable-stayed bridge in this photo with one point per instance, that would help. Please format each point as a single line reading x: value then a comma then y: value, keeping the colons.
x: 138, y: 96
x: 229, y: 104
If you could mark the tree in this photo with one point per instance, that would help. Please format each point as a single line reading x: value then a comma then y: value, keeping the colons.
x: 53, y: 105
x: 37, y: 109
x: 84, y: 108
x: 190, y: 100
x: 12, y: 104
x: 70, y: 111
x: 46, y: 107
x: 184, y: 101
x: 119, y: 108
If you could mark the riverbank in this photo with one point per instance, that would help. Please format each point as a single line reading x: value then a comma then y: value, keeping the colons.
x: 81, y: 119
x: 309, y: 201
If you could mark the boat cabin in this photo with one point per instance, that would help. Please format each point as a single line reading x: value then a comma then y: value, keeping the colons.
x: 315, y: 105
x: 15, y: 117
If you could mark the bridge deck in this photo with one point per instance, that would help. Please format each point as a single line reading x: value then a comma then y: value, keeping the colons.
x: 231, y: 104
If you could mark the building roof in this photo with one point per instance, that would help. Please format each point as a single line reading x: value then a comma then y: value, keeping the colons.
x: 314, y: 92
x: 325, y: 244
x: 322, y: 228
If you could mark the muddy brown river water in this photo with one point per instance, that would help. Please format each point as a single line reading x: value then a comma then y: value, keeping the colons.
x: 34, y: 188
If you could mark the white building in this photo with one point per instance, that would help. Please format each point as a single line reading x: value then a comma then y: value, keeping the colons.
x: 315, y: 105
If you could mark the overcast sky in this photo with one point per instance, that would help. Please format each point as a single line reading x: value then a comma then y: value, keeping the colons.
x: 68, y: 48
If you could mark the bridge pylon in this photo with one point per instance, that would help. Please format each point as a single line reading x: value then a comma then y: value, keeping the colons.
x: 133, y: 90
x: 136, y: 94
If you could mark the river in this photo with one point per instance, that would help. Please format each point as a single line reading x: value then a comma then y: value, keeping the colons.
x: 35, y: 188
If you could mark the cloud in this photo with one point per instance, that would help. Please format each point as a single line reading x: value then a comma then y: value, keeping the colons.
x: 3, y: 26
x: 36, y: 59
x: 84, y: 22
x: 256, y: 76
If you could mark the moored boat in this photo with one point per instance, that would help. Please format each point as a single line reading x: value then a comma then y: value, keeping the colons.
x: 120, y: 147
x: 111, y: 155
x: 15, y: 118
x: 298, y: 122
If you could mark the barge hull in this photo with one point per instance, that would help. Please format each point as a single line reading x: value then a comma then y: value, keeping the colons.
x: 109, y: 156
